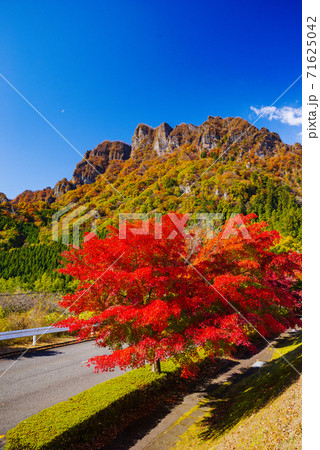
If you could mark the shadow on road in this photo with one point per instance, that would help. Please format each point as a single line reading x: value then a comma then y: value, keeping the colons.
x: 32, y: 354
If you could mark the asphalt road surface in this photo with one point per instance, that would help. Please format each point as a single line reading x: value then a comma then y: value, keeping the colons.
x: 42, y: 378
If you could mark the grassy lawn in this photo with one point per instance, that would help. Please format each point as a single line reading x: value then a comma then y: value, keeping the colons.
x: 94, y: 417
x: 256, y: 410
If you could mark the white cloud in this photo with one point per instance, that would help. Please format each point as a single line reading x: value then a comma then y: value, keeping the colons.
x: 286, y: 114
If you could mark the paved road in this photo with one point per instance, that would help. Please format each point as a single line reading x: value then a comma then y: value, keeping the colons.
x: 45, y: 377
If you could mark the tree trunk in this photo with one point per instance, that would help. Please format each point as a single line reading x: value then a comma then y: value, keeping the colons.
x: 155, y: 367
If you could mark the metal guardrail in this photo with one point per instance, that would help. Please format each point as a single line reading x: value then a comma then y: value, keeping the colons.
x: 30, y: 332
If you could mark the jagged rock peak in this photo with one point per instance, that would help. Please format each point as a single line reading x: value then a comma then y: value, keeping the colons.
x: 216, y: 136
x: 157, y: 137
x: 142, y: 133
x: 61, y: 188
x: 214, y: 133
x: 30, y: 196
x: 3, y: 198
x: 96, y: 161
x: 162, y: 139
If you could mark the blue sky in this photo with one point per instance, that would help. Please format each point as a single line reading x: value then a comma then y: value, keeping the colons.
x: 97, y: 69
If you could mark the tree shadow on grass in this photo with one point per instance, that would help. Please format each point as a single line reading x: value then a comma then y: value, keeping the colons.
x: 245, y: 393
x: 294, y: 337
x: 165, y: 403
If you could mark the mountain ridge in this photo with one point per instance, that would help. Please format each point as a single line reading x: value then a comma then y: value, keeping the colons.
x: 214, y: 135
x: 223, y: 166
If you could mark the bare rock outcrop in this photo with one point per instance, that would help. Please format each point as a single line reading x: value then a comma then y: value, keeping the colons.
x: 96, y: 161
x: 219, y: 136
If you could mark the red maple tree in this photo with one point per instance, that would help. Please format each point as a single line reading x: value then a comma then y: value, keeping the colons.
x: 146, y: 298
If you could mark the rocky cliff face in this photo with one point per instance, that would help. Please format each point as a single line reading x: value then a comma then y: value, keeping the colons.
x: 3, y: 198
x: 61, y: 188
x: 222, y: 136
x: 160, y: 140
x: 96, y: 161
x: 214, y: 133
x: 33, y: 196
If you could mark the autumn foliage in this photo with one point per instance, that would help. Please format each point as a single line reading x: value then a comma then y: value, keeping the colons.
x: 148, y: 298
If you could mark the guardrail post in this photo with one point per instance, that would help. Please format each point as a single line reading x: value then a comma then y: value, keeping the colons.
x: 34, y: 332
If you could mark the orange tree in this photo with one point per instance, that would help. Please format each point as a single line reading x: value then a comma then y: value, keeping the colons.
x: 146, y: 298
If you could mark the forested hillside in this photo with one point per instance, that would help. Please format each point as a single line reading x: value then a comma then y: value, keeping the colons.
x: 223, y: 166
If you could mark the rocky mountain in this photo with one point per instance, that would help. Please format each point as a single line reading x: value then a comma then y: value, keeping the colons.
x: 221, y: 138
x: 29, y: 196
x: 224, y: 166
x: 214, y: 133
x: 96, y: 161
x: 3, y: 198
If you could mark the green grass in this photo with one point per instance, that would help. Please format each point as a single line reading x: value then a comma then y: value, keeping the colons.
x: 100, y: 413
x: 101, y: 409
x: 243, y: 396
x: 293, y: 343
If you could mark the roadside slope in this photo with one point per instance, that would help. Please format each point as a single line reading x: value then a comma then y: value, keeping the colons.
x: 277, y: 426
x: 260, y: 411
